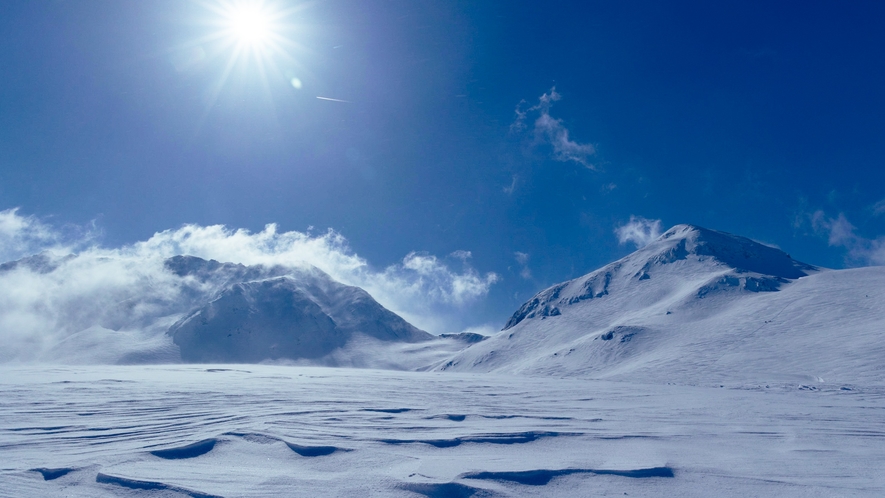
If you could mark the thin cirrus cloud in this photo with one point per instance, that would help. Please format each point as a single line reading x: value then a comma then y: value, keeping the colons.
x: 841, y: 233
x: 523, y: 259
x: 74, y: 285
x: 512, y: 187
x: 638, y: 231
x: 549, y: 130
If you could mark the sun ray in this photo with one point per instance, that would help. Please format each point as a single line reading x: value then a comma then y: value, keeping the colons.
x: 252, y: 40
x: 219, y: 85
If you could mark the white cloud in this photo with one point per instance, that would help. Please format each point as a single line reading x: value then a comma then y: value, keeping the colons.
x: 462, y: 255
x: 551, y: 131
x: 518, y: 123
x: 512, y: 187
x: 876, y: 251
x: 639, y: 231
x: 120, y: 287
x: 841, y: 233
x: 22, y: 235
x: 523, y: 259
x: 839, y: 230
x: 419, y: 281
x: 486, y: 330
x: 425, y: 274
x: 879, y: 208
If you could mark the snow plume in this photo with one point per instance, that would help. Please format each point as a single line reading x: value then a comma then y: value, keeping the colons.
x: 841, y: 233
x: 46, y: 298
x: 551, y: 131
x: 22, y: 235
x: 639, y: 231
x: 411, y: 288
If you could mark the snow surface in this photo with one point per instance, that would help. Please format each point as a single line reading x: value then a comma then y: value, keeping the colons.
x: 699, y: 307
x: 265, y: 430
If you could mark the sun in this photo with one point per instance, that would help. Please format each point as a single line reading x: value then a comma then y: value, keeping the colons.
x: 252, y: 42
x: 251, y: 29
x: 251, y: 24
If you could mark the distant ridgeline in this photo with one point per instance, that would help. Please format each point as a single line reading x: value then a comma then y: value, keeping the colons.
x: 694, y: 306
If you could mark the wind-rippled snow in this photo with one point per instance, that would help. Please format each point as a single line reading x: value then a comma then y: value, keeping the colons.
x: 261, y: 430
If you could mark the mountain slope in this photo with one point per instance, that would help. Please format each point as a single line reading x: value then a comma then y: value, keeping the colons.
x: 702, y: 307
x: 273, y: 313
x: 95, y: 309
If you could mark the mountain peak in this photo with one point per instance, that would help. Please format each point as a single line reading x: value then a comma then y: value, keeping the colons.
x: 277, y: 312
x: 685, y: 257
x: 739, y: 253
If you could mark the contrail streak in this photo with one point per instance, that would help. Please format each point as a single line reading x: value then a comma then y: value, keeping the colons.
x: 335, y: 100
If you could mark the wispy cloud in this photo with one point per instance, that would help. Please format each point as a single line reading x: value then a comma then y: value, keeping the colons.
x: 841, y: 233
x: 839, y: 230
x: 425, y: 275
x: 551, y: 131
x: 487, y: 329
x: 462, y: 255
x: 117, y: 287
x: 512, y: 187
x: 639, y: 231
x: 23, y: 235
x: 523, y: 259
x: 879, y: 208
x: 407, y: 287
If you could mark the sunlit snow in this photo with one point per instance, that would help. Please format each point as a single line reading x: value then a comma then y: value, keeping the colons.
x: 258, y: 430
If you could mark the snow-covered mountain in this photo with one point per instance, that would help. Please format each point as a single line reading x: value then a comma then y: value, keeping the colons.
x: 703, y: 307
x: 99, y: 310
x: 268, y: 313
x: 695, y: 306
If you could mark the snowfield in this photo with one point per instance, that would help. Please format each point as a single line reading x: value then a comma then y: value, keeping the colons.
x: 260, y: 430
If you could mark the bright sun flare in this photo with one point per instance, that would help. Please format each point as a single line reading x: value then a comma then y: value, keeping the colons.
x: 255, y: 38
x: 251, y: 24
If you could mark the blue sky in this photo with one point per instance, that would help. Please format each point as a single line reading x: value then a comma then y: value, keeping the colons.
x: 523, y: 132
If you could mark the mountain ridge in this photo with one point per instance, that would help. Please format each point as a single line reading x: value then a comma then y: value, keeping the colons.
x: 752, y: 266
x: 185, y: 308
x: 270, y: 313
x: 697, y: 306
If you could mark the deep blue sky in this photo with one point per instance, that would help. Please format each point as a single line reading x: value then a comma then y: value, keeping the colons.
x: 747, y: 117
